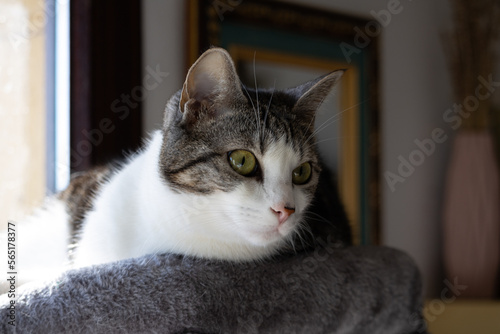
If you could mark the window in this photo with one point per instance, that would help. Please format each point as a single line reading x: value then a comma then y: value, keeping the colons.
x: 22, y: 107
x: 55, y: 94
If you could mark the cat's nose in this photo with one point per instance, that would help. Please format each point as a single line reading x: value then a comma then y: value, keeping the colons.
x: 283, y: 212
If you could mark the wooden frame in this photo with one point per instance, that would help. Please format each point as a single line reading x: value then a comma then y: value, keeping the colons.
x: 288, y: 34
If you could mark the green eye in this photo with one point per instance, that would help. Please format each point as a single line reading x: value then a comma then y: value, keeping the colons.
x: 243, y: 162
x: 302, y: 174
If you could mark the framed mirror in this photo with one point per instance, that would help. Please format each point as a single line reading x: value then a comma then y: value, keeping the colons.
x: 282, y: 45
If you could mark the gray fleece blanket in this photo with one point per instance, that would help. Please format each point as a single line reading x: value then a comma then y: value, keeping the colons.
x: 353, y: 290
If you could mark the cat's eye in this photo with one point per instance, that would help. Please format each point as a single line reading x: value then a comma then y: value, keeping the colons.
x: 302, y: 174
x: 243, y: 162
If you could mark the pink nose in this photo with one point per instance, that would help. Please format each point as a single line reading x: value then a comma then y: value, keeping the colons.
x: 283, y: 212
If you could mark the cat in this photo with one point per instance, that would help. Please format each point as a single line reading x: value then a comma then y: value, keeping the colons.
x: 231, y: 175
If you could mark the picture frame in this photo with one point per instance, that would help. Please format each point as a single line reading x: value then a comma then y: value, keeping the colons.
x: 290, y: 40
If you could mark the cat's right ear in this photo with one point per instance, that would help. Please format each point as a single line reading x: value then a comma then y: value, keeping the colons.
x: 311, y: 95
x: 211, y: 86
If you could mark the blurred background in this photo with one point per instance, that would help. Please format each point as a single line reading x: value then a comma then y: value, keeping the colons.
x: 412, y: 132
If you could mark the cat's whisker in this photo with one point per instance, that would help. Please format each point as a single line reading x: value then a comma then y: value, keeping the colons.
x: 308, y: 127
x: 306, y: 228
x: 298, y: 234
x: 315, y: 219
x: 323, y: 126
x: 253, y: 106
x: 330, y: 121
x: 302, y: 239
x: 257, y: 94
x: 321, y: 218
x: 267, y: 110
x: 290, y: 240
x: 220, y: 222
x: 332, y: 138
x: 226, y: 209
x: 184, y: 227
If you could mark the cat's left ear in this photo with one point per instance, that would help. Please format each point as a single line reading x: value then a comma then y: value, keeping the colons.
x: 211, y: 86
x: 312, y: 94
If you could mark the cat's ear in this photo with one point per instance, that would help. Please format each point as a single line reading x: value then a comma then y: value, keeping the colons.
x: 211, y: 85
x: 312, y: 94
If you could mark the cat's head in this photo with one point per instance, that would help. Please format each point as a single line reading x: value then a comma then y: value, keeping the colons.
x: 248, y: 156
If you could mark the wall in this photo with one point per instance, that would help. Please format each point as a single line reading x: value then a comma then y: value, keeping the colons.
x: 163, y: 46
x: 22, y: 108
x: 414, y: 94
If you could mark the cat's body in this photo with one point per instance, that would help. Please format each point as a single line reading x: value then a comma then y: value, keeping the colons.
x: 230, y: 176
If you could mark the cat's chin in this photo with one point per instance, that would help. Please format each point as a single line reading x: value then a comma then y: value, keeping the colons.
x: 273, y: 236
x: 264, y: 239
